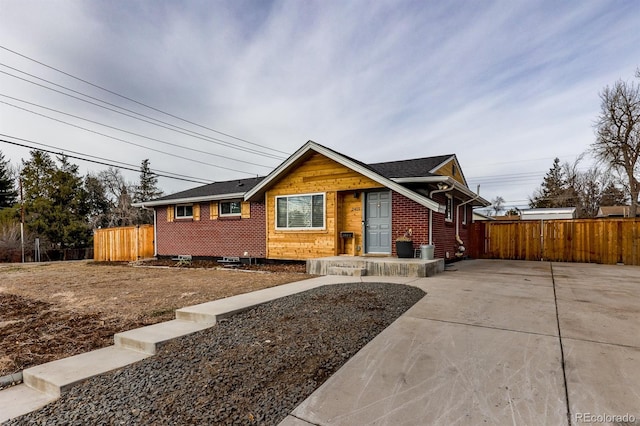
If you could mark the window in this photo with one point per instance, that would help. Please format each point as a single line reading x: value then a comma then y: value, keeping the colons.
x: 184, y: 211
x: 464, y: 214
x: 300, y: 212
x: 448, y: 215
x: 230, y: 208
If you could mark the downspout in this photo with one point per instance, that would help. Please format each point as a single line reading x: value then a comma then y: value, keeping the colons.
x: 458, y: 239
x: 435, y: 191
x: 155, y: 234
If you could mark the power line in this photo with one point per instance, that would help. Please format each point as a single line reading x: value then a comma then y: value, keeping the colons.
x: 124, y: 131
x: 137, y: 102
x: 124, y: 140
x: 146, y: 118
x: 96, y: 162
x: 63, y: 151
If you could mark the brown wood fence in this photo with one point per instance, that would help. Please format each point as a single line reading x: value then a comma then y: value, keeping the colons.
x: 608, y: 241
x: 123, y: 244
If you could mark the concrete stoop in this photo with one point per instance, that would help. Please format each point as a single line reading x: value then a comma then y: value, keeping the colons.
x: 45, y: 383
x: 375, y: 266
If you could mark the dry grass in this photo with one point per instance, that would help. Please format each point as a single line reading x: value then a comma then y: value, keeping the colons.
x: 51, y: 311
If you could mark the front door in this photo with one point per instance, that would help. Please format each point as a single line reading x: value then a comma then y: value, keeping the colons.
x: 378, y: 222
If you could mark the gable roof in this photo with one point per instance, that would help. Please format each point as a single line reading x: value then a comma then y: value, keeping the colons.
x: 366, y: 170
x: 214, y: 191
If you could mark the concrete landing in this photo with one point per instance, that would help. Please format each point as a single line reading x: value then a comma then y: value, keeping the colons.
x: 148, y: 339
x: 375, y: 266
x: 56, y: 377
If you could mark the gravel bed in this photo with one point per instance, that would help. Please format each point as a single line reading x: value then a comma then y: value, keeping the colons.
x: 253, y: 368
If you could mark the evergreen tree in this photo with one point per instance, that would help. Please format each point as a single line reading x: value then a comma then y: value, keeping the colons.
x: 145, y: 191
x: 553, y: 191
x: 8, y: 194
x: 55, y: 206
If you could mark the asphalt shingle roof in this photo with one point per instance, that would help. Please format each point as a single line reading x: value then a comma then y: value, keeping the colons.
x: 416, y: 167
x: 216, y: 188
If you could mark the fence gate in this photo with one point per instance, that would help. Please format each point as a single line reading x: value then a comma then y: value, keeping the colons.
x: 607, y: 241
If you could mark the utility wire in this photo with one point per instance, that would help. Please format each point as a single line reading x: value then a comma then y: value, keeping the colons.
x: 126, y: 141
x: 139, y: 103
x: 126, y: 131
x: 137, y: 116
x: 96, y: 162
x: 200, y: 180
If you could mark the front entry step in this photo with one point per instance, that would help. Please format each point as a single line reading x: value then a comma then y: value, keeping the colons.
x: 347, y: 271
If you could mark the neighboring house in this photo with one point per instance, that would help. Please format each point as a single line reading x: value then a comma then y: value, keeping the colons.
x: 305, y: 207
x: 480, y: 217
x: 615, y: 211
x: 548, y: 214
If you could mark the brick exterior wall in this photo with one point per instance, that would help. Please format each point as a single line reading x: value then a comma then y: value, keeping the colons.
x: 212, y: 238
x: 407, y: 214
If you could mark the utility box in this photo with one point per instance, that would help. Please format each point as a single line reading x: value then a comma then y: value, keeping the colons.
x: 426, y: 251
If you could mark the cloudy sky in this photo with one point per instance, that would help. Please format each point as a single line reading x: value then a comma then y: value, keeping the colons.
x: 505, y: 85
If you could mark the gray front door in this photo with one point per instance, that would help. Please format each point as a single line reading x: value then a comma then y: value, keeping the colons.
x: 378, y: 222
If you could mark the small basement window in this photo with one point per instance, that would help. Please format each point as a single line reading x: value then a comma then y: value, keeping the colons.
x: 184, y: 211
x: 230, y: 208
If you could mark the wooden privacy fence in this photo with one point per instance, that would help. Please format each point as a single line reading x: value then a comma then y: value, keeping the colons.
x: 128, y: 243
x: 608, y: 241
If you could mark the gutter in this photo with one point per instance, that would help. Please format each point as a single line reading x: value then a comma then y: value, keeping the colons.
x: 188, y: 200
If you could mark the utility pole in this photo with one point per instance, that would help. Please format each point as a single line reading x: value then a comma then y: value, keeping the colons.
x: 21, y: 219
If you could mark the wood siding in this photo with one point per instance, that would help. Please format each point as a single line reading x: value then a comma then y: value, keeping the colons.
x: 607, y: 241
x: 318, y: 174
x: 123, y: 244
x: 447, y: 170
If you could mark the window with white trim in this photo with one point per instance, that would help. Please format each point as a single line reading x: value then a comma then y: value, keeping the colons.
x: 230, y: 208
x: 300, y: 211
x: 464, y: 214
x: 184, y: 211
x: 448, y: 215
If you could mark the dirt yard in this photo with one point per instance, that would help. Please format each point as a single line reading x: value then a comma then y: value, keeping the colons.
x: 55, y: 310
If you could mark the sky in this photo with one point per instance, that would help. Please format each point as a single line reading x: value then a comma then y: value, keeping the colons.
x: 223, y: 90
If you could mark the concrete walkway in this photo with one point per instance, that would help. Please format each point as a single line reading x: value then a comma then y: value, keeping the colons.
x: 498, y: 342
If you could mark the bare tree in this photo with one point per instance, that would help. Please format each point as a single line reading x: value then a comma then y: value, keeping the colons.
x: 497, y: 204
x: 618, y: 133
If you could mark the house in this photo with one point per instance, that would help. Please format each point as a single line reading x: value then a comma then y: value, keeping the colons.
x: 321, y: 203
x: 549, y: 213
x: 615, y: 211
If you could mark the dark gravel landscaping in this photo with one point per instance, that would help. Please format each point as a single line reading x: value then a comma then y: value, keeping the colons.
x: 253, y: 368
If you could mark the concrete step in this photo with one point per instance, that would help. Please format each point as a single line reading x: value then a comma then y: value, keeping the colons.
x: 347, y: 271
x: 21, y: 399
x: 56, y: 377
x: 149, y: 339
x: 211, y: 312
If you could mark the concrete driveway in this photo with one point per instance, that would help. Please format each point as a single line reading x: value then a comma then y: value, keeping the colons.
x: 498, y: 342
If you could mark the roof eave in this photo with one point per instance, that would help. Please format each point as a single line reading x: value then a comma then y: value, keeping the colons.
x: 189, y: 200
x: 447, y: 179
